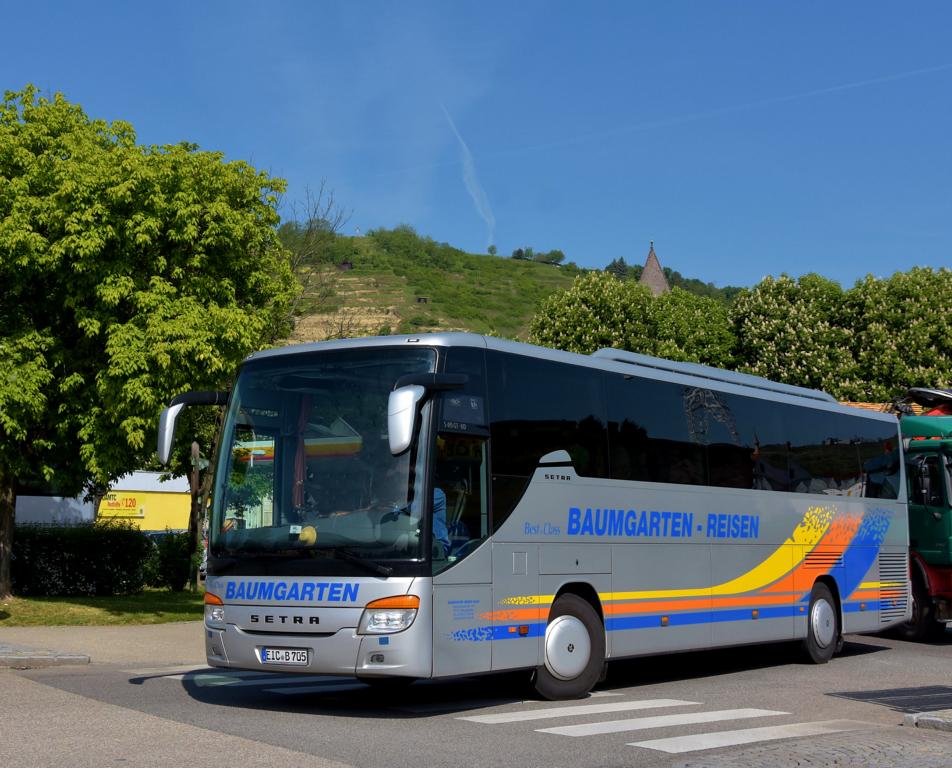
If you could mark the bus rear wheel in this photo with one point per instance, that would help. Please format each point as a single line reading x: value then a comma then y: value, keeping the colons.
x: 574, y: 650
x: 823, y: 625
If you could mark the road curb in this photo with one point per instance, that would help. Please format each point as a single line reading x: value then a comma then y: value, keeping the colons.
x: 940, y: 720
x: 24, y: 658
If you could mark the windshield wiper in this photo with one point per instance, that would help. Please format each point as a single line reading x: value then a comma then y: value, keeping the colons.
x: 370, y: 565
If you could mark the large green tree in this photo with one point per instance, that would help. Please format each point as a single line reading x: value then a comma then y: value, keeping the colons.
x: 692, y: 328
x: 599, y: 310
x: 128, y: 274
x: 902, y: 333
x: 796, y: 331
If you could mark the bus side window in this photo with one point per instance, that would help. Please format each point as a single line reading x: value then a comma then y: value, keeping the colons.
x: 538, y: 406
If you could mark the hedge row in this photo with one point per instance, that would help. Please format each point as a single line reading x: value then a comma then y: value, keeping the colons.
x: 95, y: 559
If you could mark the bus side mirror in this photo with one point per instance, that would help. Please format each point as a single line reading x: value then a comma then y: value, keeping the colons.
x: 167, y: 431
x: 170, y: 415
x: 402, y: 409
x: 405, y: 400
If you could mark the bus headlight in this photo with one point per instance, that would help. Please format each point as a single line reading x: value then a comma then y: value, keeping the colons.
x: 214, y: 611
x: 389, y: 615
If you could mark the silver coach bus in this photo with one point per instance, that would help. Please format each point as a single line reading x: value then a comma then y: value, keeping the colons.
x: 450, y: 504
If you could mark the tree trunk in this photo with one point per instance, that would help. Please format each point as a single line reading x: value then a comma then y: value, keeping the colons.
x: 8, y: 501
x: 193, y: 517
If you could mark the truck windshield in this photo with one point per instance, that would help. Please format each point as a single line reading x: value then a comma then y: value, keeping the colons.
x: 304, y: 467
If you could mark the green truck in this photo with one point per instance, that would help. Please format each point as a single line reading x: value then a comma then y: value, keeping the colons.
x: 927, y: 439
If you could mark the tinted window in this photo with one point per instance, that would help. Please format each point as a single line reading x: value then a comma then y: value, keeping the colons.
x: 655, y: 433
x: 464, y: 410
x: 746, y: 445
x: 536, y: 407
x: 669, y: 433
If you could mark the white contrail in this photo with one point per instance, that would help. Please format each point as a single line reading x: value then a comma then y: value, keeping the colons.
x: 471, y: 180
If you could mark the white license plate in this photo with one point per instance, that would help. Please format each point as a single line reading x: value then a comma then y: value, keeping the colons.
x: 293, y: 656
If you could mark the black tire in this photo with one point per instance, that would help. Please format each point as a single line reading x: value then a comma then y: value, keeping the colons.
x: 823, y: 625
x: 562, y: 675
x: 922, y: 626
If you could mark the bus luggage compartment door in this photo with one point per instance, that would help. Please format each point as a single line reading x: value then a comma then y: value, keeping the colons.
x: 518, y: 617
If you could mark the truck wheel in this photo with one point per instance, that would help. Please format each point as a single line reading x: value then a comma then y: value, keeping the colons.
x: 574, y: 648
x: 922, y: 626
x: 823, y: 625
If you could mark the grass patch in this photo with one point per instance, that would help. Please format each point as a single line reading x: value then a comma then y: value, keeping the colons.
x: 153, y: 606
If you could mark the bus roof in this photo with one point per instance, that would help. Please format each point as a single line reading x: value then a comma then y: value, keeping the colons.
x: 604, y: 359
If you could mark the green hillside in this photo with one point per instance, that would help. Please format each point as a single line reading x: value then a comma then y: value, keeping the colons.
x: 394, y: 281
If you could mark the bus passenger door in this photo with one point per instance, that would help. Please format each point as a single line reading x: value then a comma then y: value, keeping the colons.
x: 462, y: 562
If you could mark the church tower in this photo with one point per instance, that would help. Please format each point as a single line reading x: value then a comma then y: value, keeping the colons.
x: 652, y: 274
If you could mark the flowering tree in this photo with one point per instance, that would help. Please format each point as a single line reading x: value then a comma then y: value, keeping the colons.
x: 902, y: 333
x: 599, y: 310
x: 795, y: 331
x: 693, y: 328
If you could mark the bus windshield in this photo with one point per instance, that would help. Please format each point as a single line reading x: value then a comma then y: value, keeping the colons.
x: 304, y: 466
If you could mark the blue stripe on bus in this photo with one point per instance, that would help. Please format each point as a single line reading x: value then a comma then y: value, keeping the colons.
x: 870, y: 605
x: 510, y: 631
x: 861, y: 553
x: 700, y: 617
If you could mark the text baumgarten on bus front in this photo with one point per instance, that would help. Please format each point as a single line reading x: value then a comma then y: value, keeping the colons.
x: 651, y: 523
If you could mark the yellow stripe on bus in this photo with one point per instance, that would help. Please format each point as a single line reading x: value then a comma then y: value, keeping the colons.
x: 808, y: 533
x: 816, y: 522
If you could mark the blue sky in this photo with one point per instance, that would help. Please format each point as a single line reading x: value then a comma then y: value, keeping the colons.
x: 744, y: 138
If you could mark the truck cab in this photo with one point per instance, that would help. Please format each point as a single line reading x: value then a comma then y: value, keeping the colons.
x: 927, y: 439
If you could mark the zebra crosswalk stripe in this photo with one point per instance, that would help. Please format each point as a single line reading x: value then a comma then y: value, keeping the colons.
x: 696, y: 742
x: 579, y: 709
x: 660, y: 721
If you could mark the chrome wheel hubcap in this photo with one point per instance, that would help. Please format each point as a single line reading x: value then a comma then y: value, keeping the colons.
x: 823, y: 623
x: 567, y: 647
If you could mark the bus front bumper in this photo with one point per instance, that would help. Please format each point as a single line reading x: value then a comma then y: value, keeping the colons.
x: 340, y: 653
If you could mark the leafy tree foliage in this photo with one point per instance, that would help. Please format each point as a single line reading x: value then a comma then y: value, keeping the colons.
x: 597, y: 311
x: 901, y: 333
x: 602, y: 311
x: 129, y: 274
x: 795, y: 331
x: 555, y: 256
x: 699, y: 287
x: 869, y: 343
x: 624, y: 271
x: 692, y: 328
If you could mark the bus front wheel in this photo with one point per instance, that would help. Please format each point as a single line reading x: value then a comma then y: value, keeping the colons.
x: 823, y: 625
x: 574, y: 650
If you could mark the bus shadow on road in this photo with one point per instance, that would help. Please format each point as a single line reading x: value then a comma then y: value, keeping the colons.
x: 348, y: 697
x: 724, y: 661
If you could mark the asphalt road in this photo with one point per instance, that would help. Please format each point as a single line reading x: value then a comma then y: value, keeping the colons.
x: 153, y: 702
